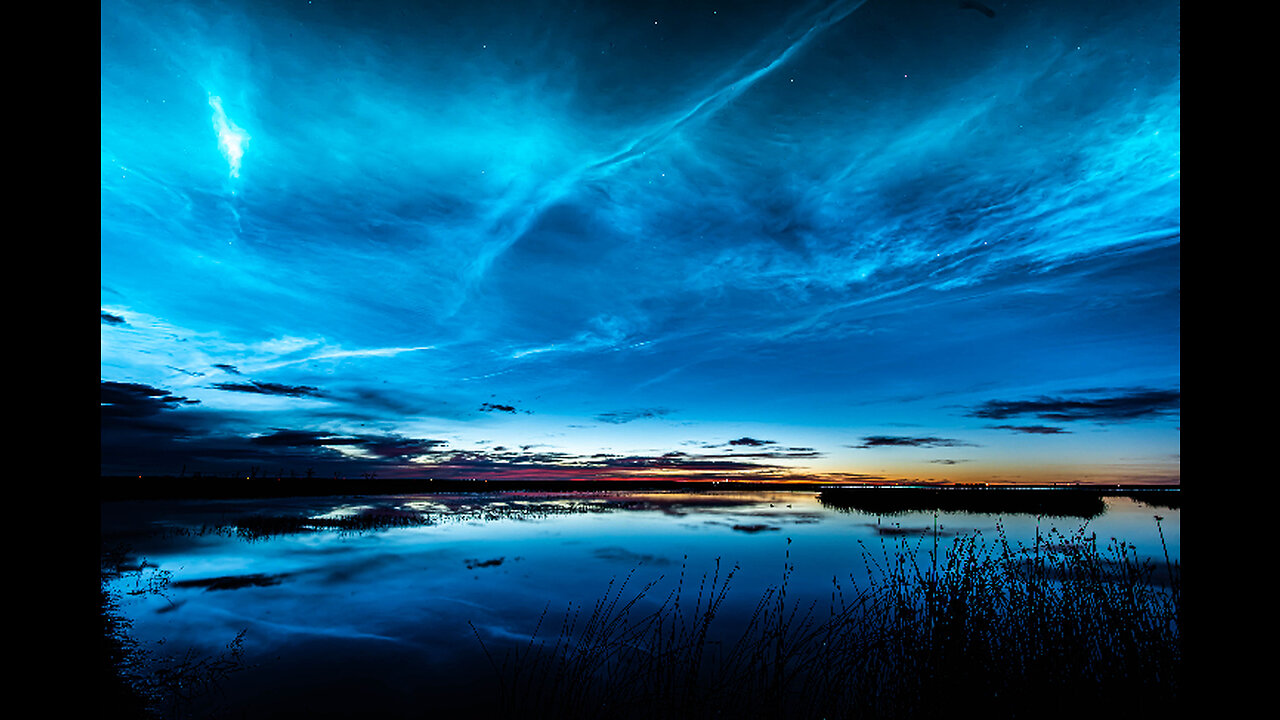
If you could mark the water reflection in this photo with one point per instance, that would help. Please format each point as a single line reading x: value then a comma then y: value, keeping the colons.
x: 350, y: 604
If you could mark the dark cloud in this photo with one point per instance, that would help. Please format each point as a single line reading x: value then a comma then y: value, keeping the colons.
x: 770, y: 450
x: 142, y: 430
x: 626, y: 416
x: 1032, y: 429
x: 268, y: 388
x: 872, y: 441
x: 148, y: 429
x: 382, y: 446
x: 303, y: 438
x: 110, y: 319
x: 392, y: 448
x: 1131, y: 405
x: 490, y: 407
x: 136, y: 400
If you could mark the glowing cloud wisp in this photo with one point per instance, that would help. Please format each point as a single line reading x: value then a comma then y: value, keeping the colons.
x: 232, y: 139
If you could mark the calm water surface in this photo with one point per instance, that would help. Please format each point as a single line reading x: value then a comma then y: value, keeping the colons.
x: 394, y: 619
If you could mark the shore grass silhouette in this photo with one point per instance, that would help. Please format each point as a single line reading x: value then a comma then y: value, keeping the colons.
x: 1067, y: 624
x: 1062, y: 627
x: 136, y: 682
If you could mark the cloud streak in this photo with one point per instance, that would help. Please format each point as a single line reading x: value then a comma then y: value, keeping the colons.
x: 620, y: 417
x: 510, y: 227
x: 269, y: 388
x: 1126, y: 406
x: 232, y: 139
x: 1032, y: 429
x: 877, y: 441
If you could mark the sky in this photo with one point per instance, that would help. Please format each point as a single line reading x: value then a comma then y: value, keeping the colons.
x: 844, y: 241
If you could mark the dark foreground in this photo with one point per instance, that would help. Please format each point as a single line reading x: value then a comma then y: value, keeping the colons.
x: 948, y: 627
x: 956, y: 631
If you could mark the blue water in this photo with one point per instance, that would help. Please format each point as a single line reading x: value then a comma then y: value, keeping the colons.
x: 400, y: 619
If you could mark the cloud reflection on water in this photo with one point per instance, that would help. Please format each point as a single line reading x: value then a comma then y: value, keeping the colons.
x: 499, y: 562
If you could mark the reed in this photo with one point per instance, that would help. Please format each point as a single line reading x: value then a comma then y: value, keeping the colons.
x: 1060, y: 627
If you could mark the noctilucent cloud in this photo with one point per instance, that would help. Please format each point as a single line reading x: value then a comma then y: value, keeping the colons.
x: 837, y: 241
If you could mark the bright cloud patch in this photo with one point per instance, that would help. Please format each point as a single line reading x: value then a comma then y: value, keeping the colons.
x: 232, y: 139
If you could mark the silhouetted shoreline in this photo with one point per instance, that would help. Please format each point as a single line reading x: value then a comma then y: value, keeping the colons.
x: 1072, y: 501
x: 907, y: 645
x: 870, y: 498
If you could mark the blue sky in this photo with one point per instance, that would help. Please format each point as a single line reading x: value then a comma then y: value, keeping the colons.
x: 841, y: 240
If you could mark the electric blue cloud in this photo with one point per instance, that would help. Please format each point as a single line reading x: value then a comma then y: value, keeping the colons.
x: 816, y: 222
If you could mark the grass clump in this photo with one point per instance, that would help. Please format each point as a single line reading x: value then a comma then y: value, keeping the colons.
x: 135, y: 682
x: 1060, y: 628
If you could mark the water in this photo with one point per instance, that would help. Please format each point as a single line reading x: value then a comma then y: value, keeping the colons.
x: 399, y: 619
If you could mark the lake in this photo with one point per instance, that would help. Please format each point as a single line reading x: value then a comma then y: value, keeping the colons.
x: 407, y: 614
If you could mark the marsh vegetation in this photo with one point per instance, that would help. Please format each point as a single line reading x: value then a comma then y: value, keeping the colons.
x: 730, y: 604
x: 1063, y: 627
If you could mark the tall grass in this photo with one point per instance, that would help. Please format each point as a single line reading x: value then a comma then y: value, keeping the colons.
x: 1061, y: 627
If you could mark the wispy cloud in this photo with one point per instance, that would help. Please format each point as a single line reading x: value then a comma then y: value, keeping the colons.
x: 804, y: 28
x: 232, y: 139
x: 339, y: 354
x: 767, y: 222
x: 625, y: 416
